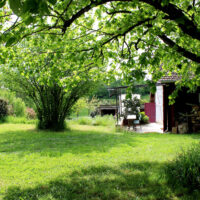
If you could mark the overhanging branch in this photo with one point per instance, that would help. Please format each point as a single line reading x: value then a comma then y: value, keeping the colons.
x: 180, y: 49
x: 177, y: 15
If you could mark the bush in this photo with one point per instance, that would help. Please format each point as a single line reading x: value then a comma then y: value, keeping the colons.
x: 16, y: 106
x: 30, y: 113
x: 185, y: 169
x: 19, y: 107
x: 144, y: 118
x: 3, y: 109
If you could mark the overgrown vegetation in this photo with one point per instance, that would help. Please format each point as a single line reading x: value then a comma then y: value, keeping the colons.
x: 16, y: 106
x: 184, y: 170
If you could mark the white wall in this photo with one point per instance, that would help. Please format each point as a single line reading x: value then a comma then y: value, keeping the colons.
x: 159, y: 104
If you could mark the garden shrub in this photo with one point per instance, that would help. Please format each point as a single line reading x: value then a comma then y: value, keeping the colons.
x: 185, y: 169
x: 19, y: 107
x: 3, y: 109
x: 30, y: 113
x: 16, y: 106
x: 144, y: 118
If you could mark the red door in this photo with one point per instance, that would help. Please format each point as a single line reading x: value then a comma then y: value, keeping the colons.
x: 150, y: 111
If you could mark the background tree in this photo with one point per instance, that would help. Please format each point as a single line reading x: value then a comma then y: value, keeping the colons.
x: 92, y: 105
x: 80, y: 105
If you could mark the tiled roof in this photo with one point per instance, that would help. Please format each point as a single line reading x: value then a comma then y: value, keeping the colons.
x: 174, y: 77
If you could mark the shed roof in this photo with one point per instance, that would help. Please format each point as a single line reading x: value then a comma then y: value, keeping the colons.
x: 170, y: 78
x: 108, y: 107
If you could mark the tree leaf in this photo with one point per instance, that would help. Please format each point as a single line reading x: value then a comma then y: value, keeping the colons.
x: 30, y: 6
x: 53, y: 2
x: 16, y: 6
x: 2, y: 3
x: 44, y: 8
x: 29, y: 20
x: 10, y: 41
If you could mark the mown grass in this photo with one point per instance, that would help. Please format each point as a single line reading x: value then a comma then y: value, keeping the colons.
x: 87, y: 162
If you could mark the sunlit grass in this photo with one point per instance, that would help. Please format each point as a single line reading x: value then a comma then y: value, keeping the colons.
x: 20, y: 120
x: 87, y: 162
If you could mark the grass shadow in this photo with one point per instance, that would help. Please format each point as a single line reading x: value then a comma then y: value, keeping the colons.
x: 128, y: 181
x: 57, y: 143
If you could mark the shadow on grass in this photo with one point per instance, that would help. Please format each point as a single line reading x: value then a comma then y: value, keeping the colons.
x: 140, y: 181
x: 56, y: 143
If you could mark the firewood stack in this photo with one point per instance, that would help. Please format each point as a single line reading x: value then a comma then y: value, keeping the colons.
x: 195, y: 118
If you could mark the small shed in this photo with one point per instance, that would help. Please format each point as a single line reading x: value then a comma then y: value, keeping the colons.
x: 108, y: 110
x: 185, y: 111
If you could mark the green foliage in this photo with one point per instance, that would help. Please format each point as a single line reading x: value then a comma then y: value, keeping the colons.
x: 143, y: 91
x: 138, y: 38
x: 79, y: 106
x: 17, y: 106
x: 107, y: 101
x: 101, y: 91
x: 3, y: 109
x: 52, y: 80
x: 144, y: 118
x: 2, y: 3
x: 184, y: 170
x: 145, y: 99
x: 92, y: 104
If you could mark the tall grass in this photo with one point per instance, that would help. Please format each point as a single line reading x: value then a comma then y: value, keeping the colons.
x: 106, y: 120
x: 19, y: 120
x: 185, y: 169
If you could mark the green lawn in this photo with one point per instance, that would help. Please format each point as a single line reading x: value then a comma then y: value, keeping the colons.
x: 87, y: 162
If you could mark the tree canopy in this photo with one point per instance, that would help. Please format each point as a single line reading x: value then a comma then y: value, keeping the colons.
x: 137, y: 35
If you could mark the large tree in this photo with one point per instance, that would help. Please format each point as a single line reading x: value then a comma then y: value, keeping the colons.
x: 140, y: 34
x: 50, y: 76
